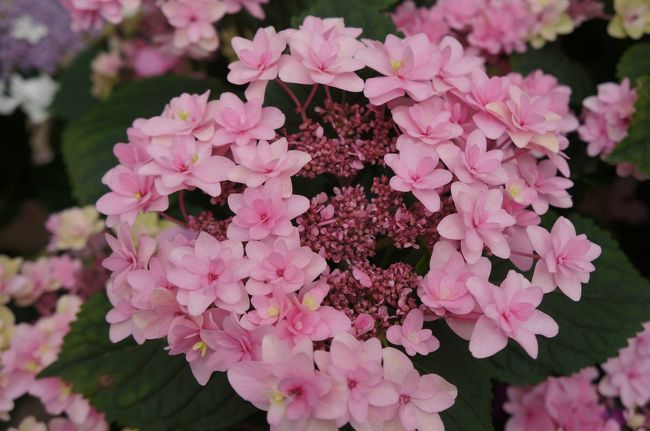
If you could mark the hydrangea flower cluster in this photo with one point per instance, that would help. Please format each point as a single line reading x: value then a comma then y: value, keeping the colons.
x: 182, y: 26
x: 27, y: 350
x: 298, y: 299
x: 606, y: 117
x: 632, y: 19
x: 496, y: 26
x: 567, y: 403
x: 615, y: 399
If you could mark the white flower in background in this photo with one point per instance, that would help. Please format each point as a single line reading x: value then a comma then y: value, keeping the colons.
x: 25, y: 28
x: 33, y: 95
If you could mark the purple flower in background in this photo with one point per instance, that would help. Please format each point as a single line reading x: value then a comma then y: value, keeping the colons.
x: 34, y: 36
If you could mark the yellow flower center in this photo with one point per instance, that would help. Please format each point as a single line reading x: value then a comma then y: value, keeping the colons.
x: 31, y: 366
x: 277, y: 398
x: 273, y: 311
x: 138, y: 195
x: 195, y: 158
x: 396, y: 65
x: 202, y: 347
x: 183, y: 115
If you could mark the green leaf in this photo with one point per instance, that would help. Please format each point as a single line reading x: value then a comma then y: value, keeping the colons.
x: 635, y: 148
x: 614, y: 304
x: 366, y: 14
x: 141, y: 386
x: 634, y: 63
x: 453, y: 361
x: 88, y: 142
x: 552, y: 60
x: 74, y: 98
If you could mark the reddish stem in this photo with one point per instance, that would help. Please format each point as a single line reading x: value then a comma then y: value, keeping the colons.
x: 312, y: 93
x: 171, y: 219
x: 181, y: 203
x: 328, y: 93
x: 293, y: 97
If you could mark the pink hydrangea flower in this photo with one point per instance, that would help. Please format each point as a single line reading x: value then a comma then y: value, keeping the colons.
x: 134, y: 153
x: 479, y: 221
x: 187, y: 336
x: 184, y: 164
x: 461, y: 13
x: 428, y: 121
x: 309, y: 319
x: 209, y: 273
x: 88, y: 14
x: 565, y: 258
x: 253, y: 7
x: 194, y: 22
x: 627, y: 376
x: 415, y: 168
x: 131, y: 194
x: 256, y: 164
x: 262, y: 211
x: 258, y: 60
x: 526, y: 119
x: 509, y: 311
x: 411, y: 20
x: 323, y: 52
x: 286, y: 385
x: 187, y: 114
x: 421, y: 398
x: 283, y: 264
x: 528, y: 410
x: 242, y: 122
x: 501, y: 26
x: 356, y: 368
x: 125, y: 256
x: 474, y: 163
x: 444, y: 288
x: 408, y: 66
x: 412, y: 336
x: 543, y: 184
x: 457, y: 66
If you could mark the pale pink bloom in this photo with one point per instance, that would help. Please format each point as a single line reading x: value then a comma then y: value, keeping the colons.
x: 479, y: 220
x: 356, y: 368
x: 194, y: 22
x: 107, y: 64
x: 474, y: 163
x: 24, y: 360
x: 121, y: 317
x: 187, y: 114
x: 549, y: 188
x: 286, y: 385
x: 242, y: 122
x: 444, y: 288
x: 282, y: 264
x: 457, y: 66
x: 89, y: 14
x: 57, y: 398
x: 429, y: 121
x: 185, y: 164
x: 187, y: 336
x: 72, y: 228
x: 363, y: 324
x: 485, y: 90
x: 29, y: 423
x: 415, y: 168
x: 233, y: 343
x: 309, y: 319
x: 460, y: 13
x: 421, y: 398
x: 256, y: 164
x: 408, y: 66
x: 412, y: 336
x: 131, y: 194
x: 210, y: 272
x: 253, y: 7
x: 134, y: 153
x: 526, y: 119
x: 323, y: 52
x: 509, y: 311
x: 267, y: 310
x: 565, y: 258
x: 148, y: 60
x: 627, y: 376
x: 125, y: 256
x: 501, y: 26
x: 410, y: 20
x: 262, y: 211
x: 258, y: 60
x: 528, y: 410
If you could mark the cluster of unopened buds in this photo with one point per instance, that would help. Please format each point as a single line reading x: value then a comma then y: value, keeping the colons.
x: 298, y: 299
x: 615, y: 399
x: 606, y: 117
x: 496, y: 26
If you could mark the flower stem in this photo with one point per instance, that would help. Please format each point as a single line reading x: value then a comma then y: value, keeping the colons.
x: 293, y: 97
x: 181, y: 203
x: 171, y: 219
x: 312, y: 93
